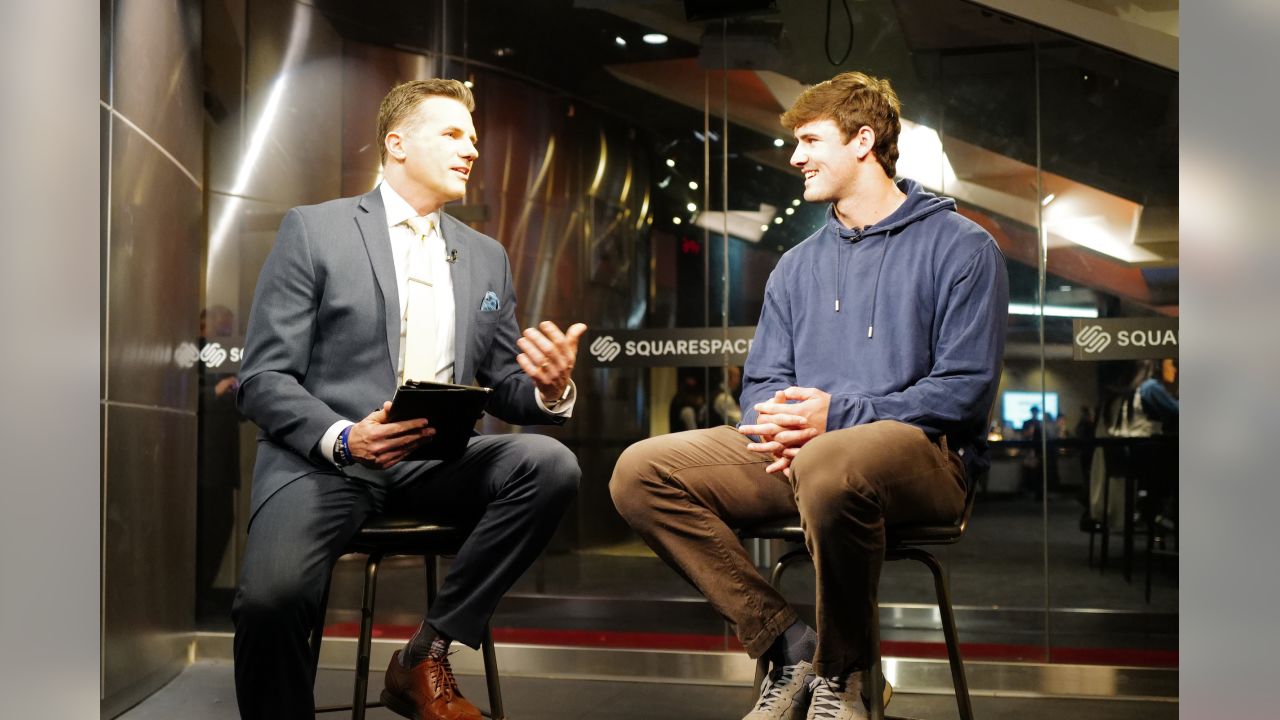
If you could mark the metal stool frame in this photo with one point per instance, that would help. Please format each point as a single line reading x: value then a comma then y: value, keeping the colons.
x: 381, y: 537
x: 902, y: 543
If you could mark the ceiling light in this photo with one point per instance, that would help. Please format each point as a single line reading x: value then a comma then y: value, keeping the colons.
x: 655, y: 38
x: 619, y: 41
x: 777, y: 221
x: 1047, y: 199
x: 468, y: 83
x: 778, y: 142
x: 671, y: 163
x: 693, y: 185
x: 691, y: 207
x: 764, y: 228
x: 791, y: 211
x: 676, y: 221
x: 504, y: 52
x: 795, y: 203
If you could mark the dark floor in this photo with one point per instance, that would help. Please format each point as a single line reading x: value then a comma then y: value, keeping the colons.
x: 205, y: 692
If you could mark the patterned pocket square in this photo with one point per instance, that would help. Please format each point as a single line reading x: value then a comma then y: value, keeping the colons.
x: 490, y: 302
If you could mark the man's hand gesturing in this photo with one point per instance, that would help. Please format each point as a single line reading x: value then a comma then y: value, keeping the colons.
x: 548, y: 357
x: 378, y: 444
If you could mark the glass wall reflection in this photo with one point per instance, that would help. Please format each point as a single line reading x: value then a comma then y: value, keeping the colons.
x: 645, y: 187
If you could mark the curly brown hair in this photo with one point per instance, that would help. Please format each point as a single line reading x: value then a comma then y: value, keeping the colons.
x: 852, y: 100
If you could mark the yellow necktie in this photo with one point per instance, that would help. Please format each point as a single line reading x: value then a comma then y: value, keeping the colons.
x: 420, y: 312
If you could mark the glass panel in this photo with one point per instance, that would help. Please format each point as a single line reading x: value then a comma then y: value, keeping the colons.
x: 624, y: 201
x: 1109, y: 200
x: 971, y: 136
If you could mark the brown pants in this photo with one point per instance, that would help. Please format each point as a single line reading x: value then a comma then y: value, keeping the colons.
x: 684, y: 492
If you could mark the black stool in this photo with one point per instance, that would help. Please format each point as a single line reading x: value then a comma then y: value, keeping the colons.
x: 380, y: 537
x: 901, y: 543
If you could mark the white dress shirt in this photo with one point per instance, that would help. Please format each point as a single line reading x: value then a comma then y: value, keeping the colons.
x: 398, y: 210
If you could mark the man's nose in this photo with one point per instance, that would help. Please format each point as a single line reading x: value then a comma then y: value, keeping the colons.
x: 798, y: 158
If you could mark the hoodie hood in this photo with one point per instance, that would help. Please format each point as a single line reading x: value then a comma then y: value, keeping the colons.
x: 919, y: 204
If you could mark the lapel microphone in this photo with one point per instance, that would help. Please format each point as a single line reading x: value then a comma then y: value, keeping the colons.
x: 451, y: 256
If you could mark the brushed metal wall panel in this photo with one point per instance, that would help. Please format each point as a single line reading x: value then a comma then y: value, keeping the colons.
x: 156, y: 74
x: 154, y: 265
x: 106, y: 8
x: 148, y: 581
x: 291, y: 151
x: 224, y: 57
x: 104, y: 232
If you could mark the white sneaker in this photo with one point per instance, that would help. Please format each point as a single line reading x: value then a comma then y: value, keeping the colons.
x: 784, y: 694
x: 837, y: 698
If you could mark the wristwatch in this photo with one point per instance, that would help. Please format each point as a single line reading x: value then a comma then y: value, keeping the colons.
x: 563, y: 396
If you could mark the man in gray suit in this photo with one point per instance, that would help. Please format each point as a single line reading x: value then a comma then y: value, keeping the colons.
x: 358, y: 295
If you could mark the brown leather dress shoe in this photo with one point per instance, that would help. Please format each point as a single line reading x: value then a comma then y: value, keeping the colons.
x: 428, y: 691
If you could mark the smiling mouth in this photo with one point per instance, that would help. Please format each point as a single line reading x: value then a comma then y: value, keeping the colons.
x: 808, y: 174
x: 465, y: 172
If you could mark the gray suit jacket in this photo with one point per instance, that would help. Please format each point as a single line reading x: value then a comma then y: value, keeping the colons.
x: 324, y: 335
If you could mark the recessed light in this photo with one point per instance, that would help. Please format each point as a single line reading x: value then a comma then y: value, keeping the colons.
x: 504, y: 52
x: 791, y: 211
x: 693, y: 185
x: 468, y: 83
x: 764, y: 228
x: 778, y: 142
x: 777, y: 221
x: 620, y: 41
x: 671, y: 163
x: 655, y: 38
x: 691, y: 207
x: 676, y: 221
x: 795, y: 203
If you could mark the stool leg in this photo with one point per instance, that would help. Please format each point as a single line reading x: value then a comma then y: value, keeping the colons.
x: 874, y: 682
x: 365, y: 641
x: 491, y: 675
x: 948, y: 629
x: 432, y: 565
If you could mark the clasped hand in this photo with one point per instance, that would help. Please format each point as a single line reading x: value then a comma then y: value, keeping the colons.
x: 792, y: 418
x: 548, y: 357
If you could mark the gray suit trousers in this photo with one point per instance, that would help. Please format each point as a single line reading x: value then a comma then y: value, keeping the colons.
x: 514, y: 488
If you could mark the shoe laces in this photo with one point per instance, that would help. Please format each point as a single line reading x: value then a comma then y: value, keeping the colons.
x: 771, y: 691
x: 826, y: 699
x: 441, y: 675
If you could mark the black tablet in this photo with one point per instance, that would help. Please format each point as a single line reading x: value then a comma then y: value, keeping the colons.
x: 451, y: 409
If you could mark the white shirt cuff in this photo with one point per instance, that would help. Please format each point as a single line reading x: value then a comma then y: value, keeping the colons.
x: 330, y: 436
x: 564, y: 408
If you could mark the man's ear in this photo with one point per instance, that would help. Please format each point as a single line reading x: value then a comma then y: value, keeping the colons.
x: 864, y: 141
x: 394, y: 143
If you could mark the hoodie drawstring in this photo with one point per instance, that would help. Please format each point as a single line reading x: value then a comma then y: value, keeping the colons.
x: 875, y: 289
x: 840, y: 272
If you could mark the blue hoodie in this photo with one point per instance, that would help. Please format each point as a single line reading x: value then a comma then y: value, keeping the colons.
x: 903, y: 320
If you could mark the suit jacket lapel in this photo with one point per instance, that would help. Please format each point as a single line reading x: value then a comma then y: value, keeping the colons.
x: 371, y: 218
x: 461, y: 271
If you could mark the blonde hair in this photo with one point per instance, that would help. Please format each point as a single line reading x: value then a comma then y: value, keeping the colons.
x: 399, y: 104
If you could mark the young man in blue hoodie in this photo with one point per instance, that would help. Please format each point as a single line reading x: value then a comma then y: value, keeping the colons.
x: 865, y: 399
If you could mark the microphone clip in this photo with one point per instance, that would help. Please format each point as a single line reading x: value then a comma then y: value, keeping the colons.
x: 451, y: 256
